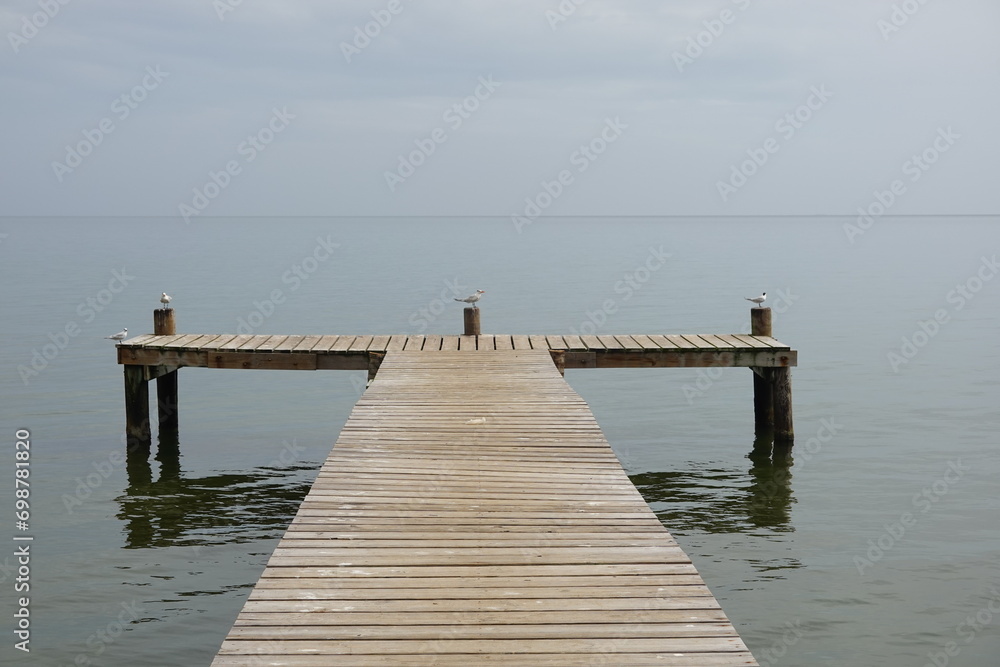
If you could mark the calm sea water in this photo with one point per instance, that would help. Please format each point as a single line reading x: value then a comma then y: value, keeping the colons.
x: 876, y: 544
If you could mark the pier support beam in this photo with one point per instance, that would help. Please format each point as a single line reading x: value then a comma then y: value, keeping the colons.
x: 772, y: 389
x: 781, y: 386
x: 763, y: 397
x: 471, y: 316
x: 559, y: 359
x: 166, y: 383
x: 374, y: 362
x: 137, y: 431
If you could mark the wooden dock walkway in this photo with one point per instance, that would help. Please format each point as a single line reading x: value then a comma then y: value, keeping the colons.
x: 343, y: 352
x: 472, y: 513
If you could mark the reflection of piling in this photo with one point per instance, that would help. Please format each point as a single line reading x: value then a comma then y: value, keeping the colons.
x: 772, y: 389
x: 472, y: 322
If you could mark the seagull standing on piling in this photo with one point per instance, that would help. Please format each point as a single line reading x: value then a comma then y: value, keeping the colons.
x: 474, y: 298
x: 119, y: 336
x: 757, y: 299
x: 165, y: 300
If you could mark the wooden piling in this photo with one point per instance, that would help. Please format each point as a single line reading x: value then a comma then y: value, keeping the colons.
x: 472, y: 322
x: 163, y: 322
x: 137, y: 430
x: 374, y: 361
x: 763, y: 396
x: 166, y: 383
x: 781, y: 386
x: 559, y: 359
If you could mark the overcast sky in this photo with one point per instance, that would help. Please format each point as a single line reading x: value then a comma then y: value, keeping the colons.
x: 579, y: 107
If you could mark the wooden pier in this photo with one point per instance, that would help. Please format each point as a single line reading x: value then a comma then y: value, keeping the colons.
x: 472, y: 513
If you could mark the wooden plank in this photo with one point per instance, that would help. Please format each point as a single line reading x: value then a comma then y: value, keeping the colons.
x: 610, y: 342
x: 343, y: 343
x: 503, y: 342
x: 449, y: 343
x: 163, y: 341
x: 413, y: 343
x: 574, y: 343
x: 717, y: 341
x: 538, y: 342
x: 556, y: 342
x: 361, y: 343
x: 664, y: 342
x: 521, y: 342
x: 378, y: 343
x: 473, y: 513
x: 270, y: 343
x: 752, y: 341
x: 681, y: 342
x: 252, y: 342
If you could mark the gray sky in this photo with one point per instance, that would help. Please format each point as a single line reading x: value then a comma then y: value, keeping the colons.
x: 584, y: 107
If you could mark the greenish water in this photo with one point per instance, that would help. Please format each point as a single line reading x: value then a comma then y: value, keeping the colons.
x: 873, y: 544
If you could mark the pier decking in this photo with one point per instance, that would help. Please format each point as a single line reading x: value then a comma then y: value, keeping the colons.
x: 284, y: 352
x: 472, y: 513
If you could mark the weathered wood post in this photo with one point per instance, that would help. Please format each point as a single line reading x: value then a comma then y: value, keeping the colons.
x: 763, y: 397
x: 137, y: 408
x: 559, y: 359
x: 781, y: 385
x: 471, y: 316
x: 374, y: 362
x: 166, y: 383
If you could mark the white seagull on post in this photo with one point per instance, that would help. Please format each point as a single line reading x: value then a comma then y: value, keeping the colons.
x: 474, y: 298
x: 165, y: 300
x: 119, y: 336
x: 757, y: 299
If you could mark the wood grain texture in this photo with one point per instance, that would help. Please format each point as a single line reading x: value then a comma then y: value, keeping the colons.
x: 472, y: 513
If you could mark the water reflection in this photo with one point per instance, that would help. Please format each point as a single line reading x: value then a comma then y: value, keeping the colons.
x: 227, y: 508
x: 725, y: 500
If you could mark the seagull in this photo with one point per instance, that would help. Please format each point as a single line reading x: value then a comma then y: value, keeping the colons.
x: 165, y: 300
x: 119, y: 336
x: 474, y: 298
x: 757, y: 299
